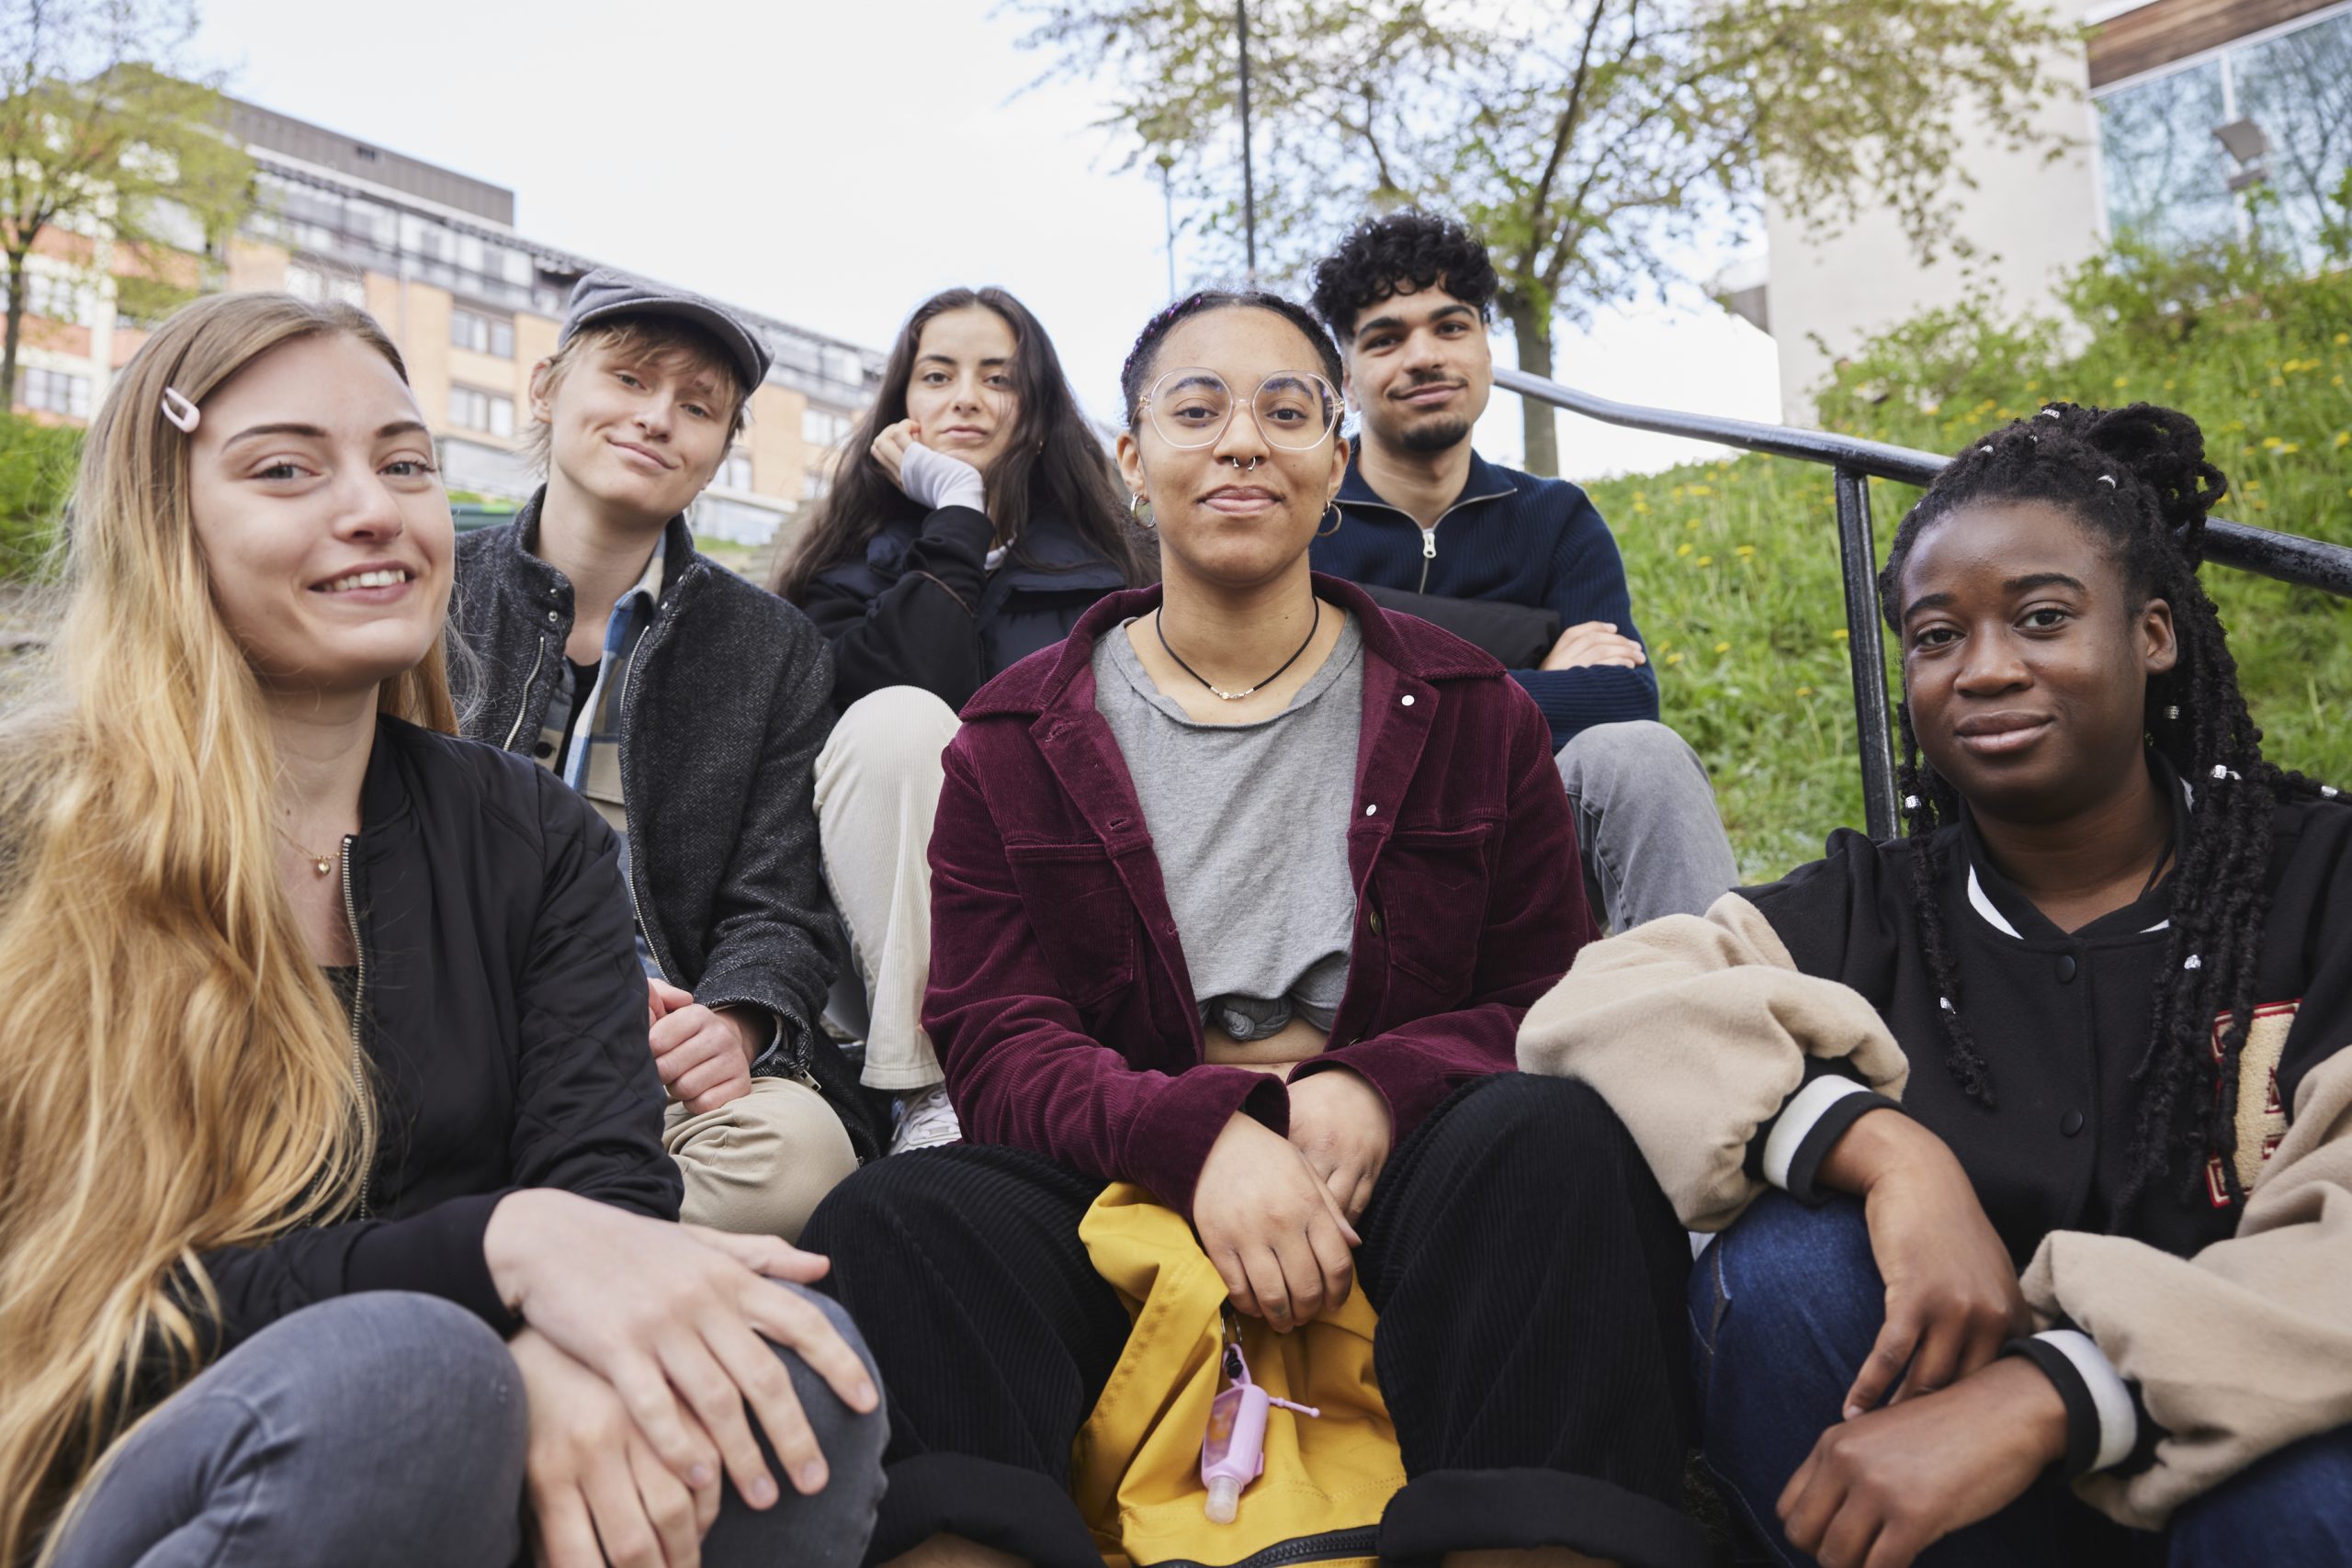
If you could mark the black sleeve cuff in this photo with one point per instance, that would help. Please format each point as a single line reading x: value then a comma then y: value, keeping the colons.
x: 437, y: 1252
x: 2082, y: 1415
x: 1804, y: 1167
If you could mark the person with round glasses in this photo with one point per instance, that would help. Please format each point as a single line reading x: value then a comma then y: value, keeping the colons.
x: 1240, y: 895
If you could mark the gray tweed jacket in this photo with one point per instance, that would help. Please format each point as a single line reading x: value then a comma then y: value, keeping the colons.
x: 728, y: 700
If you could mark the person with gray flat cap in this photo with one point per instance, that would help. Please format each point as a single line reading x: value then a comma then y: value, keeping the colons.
x: 688, y: 707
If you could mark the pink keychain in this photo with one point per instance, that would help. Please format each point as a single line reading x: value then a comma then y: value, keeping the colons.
x: 1233, y: 1453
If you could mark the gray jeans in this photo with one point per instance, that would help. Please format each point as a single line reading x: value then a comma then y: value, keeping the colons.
x: 1646, y: 823
x: 390, y: 1428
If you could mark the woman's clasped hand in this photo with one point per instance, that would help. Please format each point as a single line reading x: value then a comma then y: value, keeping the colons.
x: 676, y: 1323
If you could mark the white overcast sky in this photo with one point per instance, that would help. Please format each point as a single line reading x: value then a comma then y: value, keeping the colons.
x: 833, y: 164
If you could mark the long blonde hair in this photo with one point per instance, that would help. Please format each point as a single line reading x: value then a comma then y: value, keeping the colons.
x: 179, y: 1075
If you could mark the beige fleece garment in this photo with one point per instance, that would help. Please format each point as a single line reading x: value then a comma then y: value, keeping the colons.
x: 1696, y: 1030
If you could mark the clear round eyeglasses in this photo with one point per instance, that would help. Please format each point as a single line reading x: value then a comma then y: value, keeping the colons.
x: 1191, y: 408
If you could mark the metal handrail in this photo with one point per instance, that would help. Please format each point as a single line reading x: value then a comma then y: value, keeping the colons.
x: 2288, y: 558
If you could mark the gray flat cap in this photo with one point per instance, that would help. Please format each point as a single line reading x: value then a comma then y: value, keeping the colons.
x: 606, y: 293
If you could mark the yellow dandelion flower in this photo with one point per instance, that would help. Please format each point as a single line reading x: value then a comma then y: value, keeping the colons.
x: 1723, y: 648
x: 2251, y: 484
x: 2343, y: 338
x: 1702, y: 490
x: 2262, y: 506
x: 1693, y: 524
x: 2278, y: 381
x: 2167, y: 386
x: 1673, y: 659
x: 1666, y: 644
x: 1840, y: 634
x: 1744, y: 551
x: 1804, y: 691
x: 2288, y: 447
x: 2344, y: 438
x: 2121, y: 382
x: 2273, y: 442
x: 1706, y: 561
x: 1684, y: 548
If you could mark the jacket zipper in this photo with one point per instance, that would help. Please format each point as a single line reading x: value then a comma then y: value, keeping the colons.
x: 1429, y: 535
x: 524, y: 712
x: 1331, y: 1546
x: 359, y: 1002
x: 645, y: 645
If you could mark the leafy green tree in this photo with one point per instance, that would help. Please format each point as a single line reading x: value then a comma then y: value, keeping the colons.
x: 104, y: 132
x: 1601, y: 145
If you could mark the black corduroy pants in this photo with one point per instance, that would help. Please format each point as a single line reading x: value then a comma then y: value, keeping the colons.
x: 1530, y: 1280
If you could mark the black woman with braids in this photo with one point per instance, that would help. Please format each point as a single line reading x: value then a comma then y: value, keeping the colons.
x: 2060, y: 1266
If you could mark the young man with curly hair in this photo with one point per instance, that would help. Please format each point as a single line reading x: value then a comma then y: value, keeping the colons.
x: 1524, y: 566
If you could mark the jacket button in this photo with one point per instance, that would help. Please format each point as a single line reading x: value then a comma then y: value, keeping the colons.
x: 1407, y: 699
x: 1374, y: 920
x: 2065, y: 968
x: 1371, y: 810
x: 552, y: 616
x: 544, y: 748
x: 2071, y: 1124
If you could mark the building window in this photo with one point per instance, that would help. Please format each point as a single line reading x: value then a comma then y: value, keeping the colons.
x: 843, y: 365
x: 307, y: 282
x: 492, y: 412
x: 2170, y: 180
x: 735, y: 473
x: 54, y: 298
x: 823, y: 427
x: 54, y: 390
x: 481, y: 334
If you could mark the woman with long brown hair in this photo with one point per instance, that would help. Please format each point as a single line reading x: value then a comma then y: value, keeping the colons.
x: 332, y: 1144
x: 973, y: 518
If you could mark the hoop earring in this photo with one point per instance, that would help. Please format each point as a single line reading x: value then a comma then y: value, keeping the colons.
x: 1337, y: 517
x: 1134, y: 513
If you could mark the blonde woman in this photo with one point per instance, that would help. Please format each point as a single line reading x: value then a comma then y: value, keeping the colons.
x: 335, y: 1219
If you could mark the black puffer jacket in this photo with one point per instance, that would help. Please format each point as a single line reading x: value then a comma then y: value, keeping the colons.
x: 499, y: 1002
x: 924, y: 610
x: 728, y: 703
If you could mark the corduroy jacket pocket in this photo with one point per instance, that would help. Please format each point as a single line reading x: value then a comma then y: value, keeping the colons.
x: 1431, y: 885
x: 1084, y: 917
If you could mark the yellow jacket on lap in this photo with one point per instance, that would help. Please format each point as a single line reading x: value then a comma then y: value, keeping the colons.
x: 1135, y: 1468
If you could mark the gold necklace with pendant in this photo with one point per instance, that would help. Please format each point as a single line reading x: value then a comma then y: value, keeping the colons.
x: 322, y: 864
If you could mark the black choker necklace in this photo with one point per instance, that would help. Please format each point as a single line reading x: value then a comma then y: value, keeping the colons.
x: 1312, y: 627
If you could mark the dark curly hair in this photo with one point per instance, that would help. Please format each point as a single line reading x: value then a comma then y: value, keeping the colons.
x: 2138, y: 480
x: 1406, y: 250
x: 1135, y: 375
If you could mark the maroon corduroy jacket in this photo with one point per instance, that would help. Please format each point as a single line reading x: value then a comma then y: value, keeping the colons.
x: 1059, y: 1001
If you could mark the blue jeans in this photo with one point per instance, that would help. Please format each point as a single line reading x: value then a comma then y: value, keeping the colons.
x: 390, y: 1428
x: 1785, y: 1306
x: 1652, y: 839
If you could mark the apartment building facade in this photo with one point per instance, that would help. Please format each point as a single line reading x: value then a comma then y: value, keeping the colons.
x: 434, y: 257
x: 2196, y: 118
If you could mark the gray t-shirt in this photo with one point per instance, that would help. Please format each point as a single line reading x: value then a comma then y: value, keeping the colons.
x: 1250, y: 822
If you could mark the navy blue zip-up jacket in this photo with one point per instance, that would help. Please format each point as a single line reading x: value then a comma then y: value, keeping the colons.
x: 1516, y: 538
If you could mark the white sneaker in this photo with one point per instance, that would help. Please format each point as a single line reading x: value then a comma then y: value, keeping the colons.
x: 926, y: 1121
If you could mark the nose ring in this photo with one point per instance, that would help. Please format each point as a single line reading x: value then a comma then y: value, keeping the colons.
x: 1241, y: 468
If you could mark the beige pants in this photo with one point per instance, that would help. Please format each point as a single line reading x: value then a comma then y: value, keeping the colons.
x: 759, y: 1165
x: 877, y: 791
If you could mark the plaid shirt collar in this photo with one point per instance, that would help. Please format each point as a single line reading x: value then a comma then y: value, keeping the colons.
x: 600, y: 705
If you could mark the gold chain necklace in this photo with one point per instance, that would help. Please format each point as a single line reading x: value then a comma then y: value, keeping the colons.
x: 321, y: 863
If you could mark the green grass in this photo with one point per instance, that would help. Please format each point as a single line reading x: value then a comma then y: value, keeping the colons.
x: 1733, y: 565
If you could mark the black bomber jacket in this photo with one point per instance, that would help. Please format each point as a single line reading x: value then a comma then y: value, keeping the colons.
x: 500, y: 1013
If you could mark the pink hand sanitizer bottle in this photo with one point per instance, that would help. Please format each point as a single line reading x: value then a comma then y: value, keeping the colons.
x: 1233, y: 1453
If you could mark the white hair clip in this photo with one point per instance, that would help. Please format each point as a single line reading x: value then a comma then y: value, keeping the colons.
x: 180, y: 412
x: 2050, y: 413
x: 2108, y: 479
